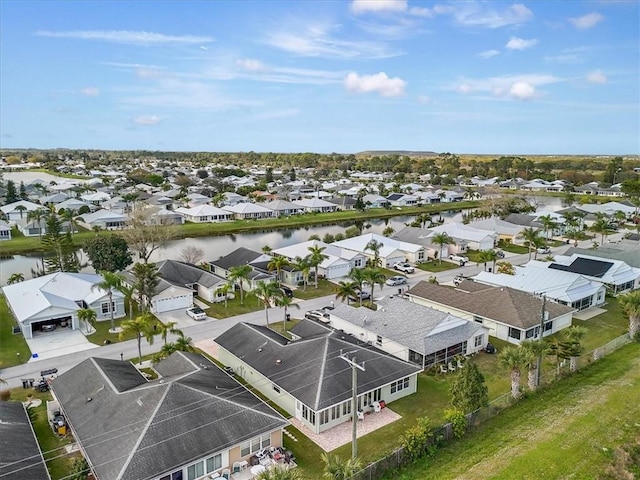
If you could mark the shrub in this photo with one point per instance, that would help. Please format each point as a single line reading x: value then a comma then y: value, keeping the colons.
x: 5, y: 395
x: 415, y: 439
x: 458, y: 421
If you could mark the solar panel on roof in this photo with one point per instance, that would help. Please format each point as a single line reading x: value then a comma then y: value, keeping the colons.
x: 585, y: 266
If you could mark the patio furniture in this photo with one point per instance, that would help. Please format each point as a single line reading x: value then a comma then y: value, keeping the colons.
x: 243, y: 465
x: 360, y: 415
x: 443, y: 369
x: 258, y: 469
x: 214, y: 475
x: 236, y: 467
x: 265, y: 461
x: 460, y: 364
x: 452, y: 367
x: 376, y: 407
x: 226, y: 473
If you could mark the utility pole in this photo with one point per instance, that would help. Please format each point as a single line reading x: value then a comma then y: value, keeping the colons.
x: 543, y: 314
x: 354, y: 401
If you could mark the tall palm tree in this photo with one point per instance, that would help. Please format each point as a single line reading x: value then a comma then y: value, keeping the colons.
x: 514, y: 358
x: 37, y: 216
x: 315, y: 258
x: 574, y: 335
x: 601, y: 226
x: 128, y: 292
x: 358, y: 277
x: 375, y: 247
x: 336, y: 468
x: 110, y: 282
x: 88, y: 316
x: 488, y: 256
x: 239, y: 275
x: 302, y: 265
x: 224, y: 290
x: 15, y: 278
x: 548, y: 224
x: 183, y: 344
x: 441, y: 239
x: 534, y: 349
x: 141, y: 327
x: 346, y: 290
x: 70, y: 217
x: 277, y: 264
x: 166, y: 328
x: 531, y: 238
x: 630, y: 304
x: 374, y: 276
x: 21, y: 209
x: 267, y: 293
x: 286, y: 303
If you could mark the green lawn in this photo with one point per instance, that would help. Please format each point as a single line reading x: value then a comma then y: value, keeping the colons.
x: 11, y: 345
x: 605, y: 327
x: 102, y: 331
x: 325, y: 287
x: 435, y: 266
x: 250, y: 303
x: 568, y: 430
x: 510, y: 247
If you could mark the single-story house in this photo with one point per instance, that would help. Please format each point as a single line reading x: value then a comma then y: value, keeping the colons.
x: 19, y: 210
x: 609, y: 208
x: 509, y: 314
x: 466, y: 237
x: 105, y: 219
x: 193, y: 420
x: 196, y: 199
x: 307, y: 377
x: 244, y: 256
x: 73, y: 204
x: 410, y: 331
x: 373, y: 200
x: 506, y: 231
x: 448, y: 196
x: 420, y: 236
x: 392, y: 250
x: 161, y: 216
x: 56, y: 298
x: 338, y: 263
x: 204, y: 213
x: 232, y: 198
x: 22, y: 458
x: 402, y: 200
x: 5, y: 231
x: 96, y: 198
x: 283, y: 208
x: 625, y: 251
x: 566, y: 288
x: 316, y: 205
x: 343, y: 202
x: 248, y: 211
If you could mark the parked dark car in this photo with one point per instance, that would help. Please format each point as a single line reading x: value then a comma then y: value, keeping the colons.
x: 286, y: 291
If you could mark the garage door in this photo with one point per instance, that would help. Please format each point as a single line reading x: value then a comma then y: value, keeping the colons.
x: 172, y: 303
x: 338, y: 271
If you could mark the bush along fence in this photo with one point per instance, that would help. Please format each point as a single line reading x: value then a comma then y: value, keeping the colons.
x: 422, y: 440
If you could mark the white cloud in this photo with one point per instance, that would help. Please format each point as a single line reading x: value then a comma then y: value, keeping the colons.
x: 489, y: 53
x: 586, y: 21
x: 483, y: 15
x: 90, y: 91
x: 596, y: 77
x: 128, y: 37
x: 519, y: 87
x: 522, y: 91
x: 376, y: 6
x: 516, y: 43
x: 146, y: 120
x: 379, y: 82
x: 250, y: 64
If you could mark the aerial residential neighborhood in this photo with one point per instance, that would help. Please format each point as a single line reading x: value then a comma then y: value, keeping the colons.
x: 353, y: 240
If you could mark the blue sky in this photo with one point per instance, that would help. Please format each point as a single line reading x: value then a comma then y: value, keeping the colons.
x: 537, y: 77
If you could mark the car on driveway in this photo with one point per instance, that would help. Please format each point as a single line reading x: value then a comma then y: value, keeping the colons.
x: 404, y: 267
x: 318, y: 315
x: 360, y: 295
x: 286, y: 291
x: 460, y: 259
x: 397, y: 280
x: 197, y: 313
x: 543, y: 250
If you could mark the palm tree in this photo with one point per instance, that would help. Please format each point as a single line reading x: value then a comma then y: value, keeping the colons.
x: 630, y: 304
x: 267, y: 293
x: 514, y: 358
x: 267, y: 249
x: 442, y: 239
x: 548, y: 223
x: 37, y: 216
x: 534, y: 349
x: 560, y: 349
x: 358, y: 277
x: 239, y: 275
x: 601, y: 226
x: 373, y: 276
x: 140, y: 327
x: 375, y: 247
x: 302, y: 265
x: 277, y: 264
x: 167, y: 328
x: 224, y: 290
x: 531, y: 238
x: 70, y: 217
x: 21, y: 209
x: 15, y: 278
x: 488, y: 256
x: 279, y: 472
x: 110, y: 282
x: 183, y: 344
x: 315, y: 258
x: 388, y: 231
x: 346, y: 290
x: 335, y: 468
x: 574, y: 334
x: 128, y: 292
x: 88, y: 316
x: 286, y: 303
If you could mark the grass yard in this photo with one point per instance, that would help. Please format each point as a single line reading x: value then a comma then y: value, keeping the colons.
x: 605, y: 327
x: 251, y: 303
x: 325, y: 287
x: 568, y: 430
x: 435, y: 266
x: 11, y: 345
x: 102, y: 331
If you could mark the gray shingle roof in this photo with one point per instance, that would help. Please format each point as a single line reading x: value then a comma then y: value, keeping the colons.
x: 311, y: 369
x: 150, y: 429
x: 20, y: 457
x: 503, y: 304
x: 240, y: 256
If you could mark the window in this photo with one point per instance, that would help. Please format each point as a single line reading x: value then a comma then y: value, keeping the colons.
x: 478, y: 319
x: 377, y: 394
x: 214, y: 463
x: 532, y: 332
x: 324, y: 417
x: 379, y: 340
x: 421, y: 255
x: 548, y: 326
x: 357, y: 263
x: 196, y: 470
x: 346, y: 407
x: 105, y: 307
x: 477, y: 341
x: 254, y: 445
x: 400, y: 385
x: 514, y: 333
x: 276, y: 388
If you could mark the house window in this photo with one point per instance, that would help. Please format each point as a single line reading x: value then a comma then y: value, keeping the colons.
x: 214, y: 463
x: 377, y: 394
x: 421, y: 255
x: 276, y: 388
x: 379, y: 340
x: 335, y: 412
x: 346, y: 407
x: 532, y: 332
x: 478, y: 319
x: 177, y: 475
x: 357, y: 263
x: 196, y: 470
x: 548, y: 326
x: 600, y: 295
x: 477, y: 341
x: 324, y: 417
x: 514, y: 333
x: 105, y: 307
x: 400, y: 385
x: 254, y: 445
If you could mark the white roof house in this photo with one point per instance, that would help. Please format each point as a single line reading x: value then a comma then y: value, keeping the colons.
x: 204, y: 213
x: 567, y: 288
x: 474, y: 238
x: 5, y: 231
x: 495, y: 224
x: 20, y: 209
x: 316, y: 205
x: 243, y: 211
x: 283, y: 207
x: 392, y: 250
x: 57, y: 297
x: 608, y: 208
x: 105, y: 219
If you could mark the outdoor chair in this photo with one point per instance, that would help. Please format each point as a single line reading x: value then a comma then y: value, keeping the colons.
x: 215, y: 475
x: 460, y: 364
x: 236, y: 467
x: 452, y: 367
x: 226, y: 473
x: 376, y: 407
x: 360, y: 415
x: 443, y: 369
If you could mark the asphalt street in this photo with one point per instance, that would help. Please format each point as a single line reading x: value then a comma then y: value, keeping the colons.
x: 212, y: 328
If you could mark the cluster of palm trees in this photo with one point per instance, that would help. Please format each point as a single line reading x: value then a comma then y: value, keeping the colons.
x: 359, y: 279
x: 561, y: 347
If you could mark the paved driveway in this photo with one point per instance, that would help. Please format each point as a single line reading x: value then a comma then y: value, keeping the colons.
x: 61, y: 341
x: 181, y: 318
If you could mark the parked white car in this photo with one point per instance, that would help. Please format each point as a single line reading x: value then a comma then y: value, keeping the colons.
x: 404, y: 267
x: 197, y: 313
x: 544, y: 250
x: 398, y: 280
x: 461, y: 259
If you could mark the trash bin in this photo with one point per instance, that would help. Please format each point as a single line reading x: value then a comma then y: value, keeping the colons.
x: 288, y: 317
x: 25, y: 382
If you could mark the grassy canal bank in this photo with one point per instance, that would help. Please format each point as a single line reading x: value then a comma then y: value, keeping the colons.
x: 20, y: 244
